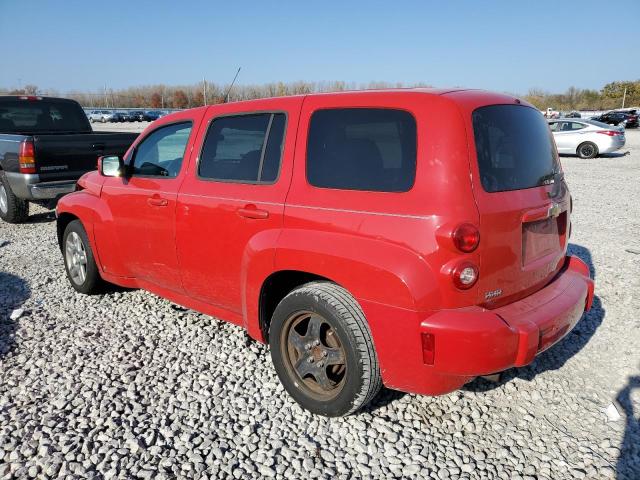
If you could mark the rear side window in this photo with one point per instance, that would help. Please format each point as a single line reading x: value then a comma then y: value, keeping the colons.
x: 243, y: 148
x: 42, y: 116
x: 362, y: 149
x: 514, y: 146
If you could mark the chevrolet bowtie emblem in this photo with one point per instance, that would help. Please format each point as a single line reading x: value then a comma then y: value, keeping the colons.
x: 554, y: 210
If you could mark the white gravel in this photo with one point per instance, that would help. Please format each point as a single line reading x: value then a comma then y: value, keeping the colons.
x: 127, y: 385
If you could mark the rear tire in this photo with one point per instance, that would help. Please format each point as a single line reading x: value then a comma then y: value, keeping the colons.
x: 79, y: 261
x: 12, y: 208
x: 323, y: 351
x: 587, y: 150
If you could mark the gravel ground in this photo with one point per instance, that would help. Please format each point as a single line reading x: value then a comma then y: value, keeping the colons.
x: 127, y: 385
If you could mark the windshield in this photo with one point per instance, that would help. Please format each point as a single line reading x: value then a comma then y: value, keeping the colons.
x: 41, y: 116
x: 515, y: 148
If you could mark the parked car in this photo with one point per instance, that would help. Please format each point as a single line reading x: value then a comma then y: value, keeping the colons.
x: 586, y: 138
x: 118, y: 117
x: 151, y: 115
x: 573, y: 114
x: 46, y: 144
x: 618, y: 118
x: 100, y: 116
x: 551, y: 113
x: 350, y: 231
x: 136, y: 116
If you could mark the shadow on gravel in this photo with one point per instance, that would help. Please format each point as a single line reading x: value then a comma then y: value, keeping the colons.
x: 45, y: 217
x: 14, y: 291
x: 556, y: 356
x: 629, y: 460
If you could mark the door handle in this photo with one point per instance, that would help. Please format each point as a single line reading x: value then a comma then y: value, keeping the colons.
x: 98, y: 146
x: 251, y: 211
x: 156, y: 201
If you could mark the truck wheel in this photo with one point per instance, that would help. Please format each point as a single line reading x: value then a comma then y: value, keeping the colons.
x: 12, y: 208
x: 79, y: 262
x: 587, y: 150
x: 322, y: 350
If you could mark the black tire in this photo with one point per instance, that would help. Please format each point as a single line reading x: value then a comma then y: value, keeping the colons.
x: 354, y: 383
x: 12, y: 208
x: 587, y: 150
x: 90, y: 282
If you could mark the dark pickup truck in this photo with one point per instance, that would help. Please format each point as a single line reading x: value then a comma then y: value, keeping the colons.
x: 46, y: 144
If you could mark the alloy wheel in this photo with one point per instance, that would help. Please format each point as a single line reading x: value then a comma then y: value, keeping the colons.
x: 313, y: 355
x: 76, y: 258
x: 4, y: 200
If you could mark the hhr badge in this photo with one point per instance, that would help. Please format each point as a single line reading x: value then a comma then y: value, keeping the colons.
x: 493, y: 294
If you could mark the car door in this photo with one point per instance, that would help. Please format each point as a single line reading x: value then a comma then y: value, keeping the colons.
x: 142, y: 207
x: 232, y: 201
x: 562, y: 136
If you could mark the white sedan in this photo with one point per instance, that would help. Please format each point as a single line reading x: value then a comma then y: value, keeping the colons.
x: 586, y: 138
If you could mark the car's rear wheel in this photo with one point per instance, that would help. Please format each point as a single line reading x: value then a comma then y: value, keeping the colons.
x: 79, y: 261
x: 587, y: 150
x: 12, y: 208
x: 322, y: 350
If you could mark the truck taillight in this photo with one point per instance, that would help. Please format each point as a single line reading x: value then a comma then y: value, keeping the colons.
x: 465, y: 275
x: 27, y: 157
x: 466, y: 237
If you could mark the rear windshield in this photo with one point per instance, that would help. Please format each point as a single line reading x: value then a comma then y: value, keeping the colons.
x: 515, y: 148
x: 42, y: 116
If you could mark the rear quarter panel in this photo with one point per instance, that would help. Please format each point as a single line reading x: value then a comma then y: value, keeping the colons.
x: 381, y: 246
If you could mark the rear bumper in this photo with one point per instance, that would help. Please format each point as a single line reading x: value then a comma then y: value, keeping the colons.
x: 615, y: 143
x: 473, y: 341
x: 29, y: 187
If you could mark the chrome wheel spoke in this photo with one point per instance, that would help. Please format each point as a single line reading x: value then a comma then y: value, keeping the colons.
x: 313, y: 330
x: 335, y: 356
x: 297, y: 341
x: 320, y: 376
x: 304, y: 367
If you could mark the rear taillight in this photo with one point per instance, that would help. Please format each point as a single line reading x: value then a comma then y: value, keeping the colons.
x: 466, y: 237
x: 465, y: 275
x: 611, y: 133
x: 27, y: 157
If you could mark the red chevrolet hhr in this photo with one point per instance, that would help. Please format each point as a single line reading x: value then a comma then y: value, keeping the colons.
x: 412, y: 238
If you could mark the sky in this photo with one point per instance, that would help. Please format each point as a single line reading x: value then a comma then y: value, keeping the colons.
x: 506, y: 46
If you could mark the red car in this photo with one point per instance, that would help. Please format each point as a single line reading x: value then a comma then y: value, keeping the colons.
x: 411, y: 238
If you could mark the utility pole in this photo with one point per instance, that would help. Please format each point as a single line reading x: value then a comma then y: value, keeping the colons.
x: 204, y: 89
x: 624, y: 96
x: 106, y: 99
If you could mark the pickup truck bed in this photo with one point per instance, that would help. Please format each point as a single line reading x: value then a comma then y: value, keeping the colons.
x: 46, y: 144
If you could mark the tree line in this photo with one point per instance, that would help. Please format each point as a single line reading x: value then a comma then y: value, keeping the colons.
x: 186, y: 96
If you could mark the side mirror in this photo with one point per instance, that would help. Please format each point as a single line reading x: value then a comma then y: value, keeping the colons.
x: 111, y: 166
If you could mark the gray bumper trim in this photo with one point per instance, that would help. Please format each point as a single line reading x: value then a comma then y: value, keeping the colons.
x: 28, y: 186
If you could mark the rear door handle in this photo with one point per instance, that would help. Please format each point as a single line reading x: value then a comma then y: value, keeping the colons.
x: 98, y: 146
x: 251, y: 211
x: 156, y: 201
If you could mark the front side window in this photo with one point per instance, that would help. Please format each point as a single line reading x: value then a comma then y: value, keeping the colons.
x: 362, y: 149
x: 243, y: 148
x: 161, y: 153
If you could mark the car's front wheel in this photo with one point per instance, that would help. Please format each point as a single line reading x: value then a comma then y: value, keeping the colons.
x: 79, y: 261
x: 587, y: 150
x: 322, y: 350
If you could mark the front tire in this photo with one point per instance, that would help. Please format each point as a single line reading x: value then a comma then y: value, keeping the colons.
x: 12, y: 208
x: 587, y: 150
x: 79, y: 261
x: 322, y: 350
